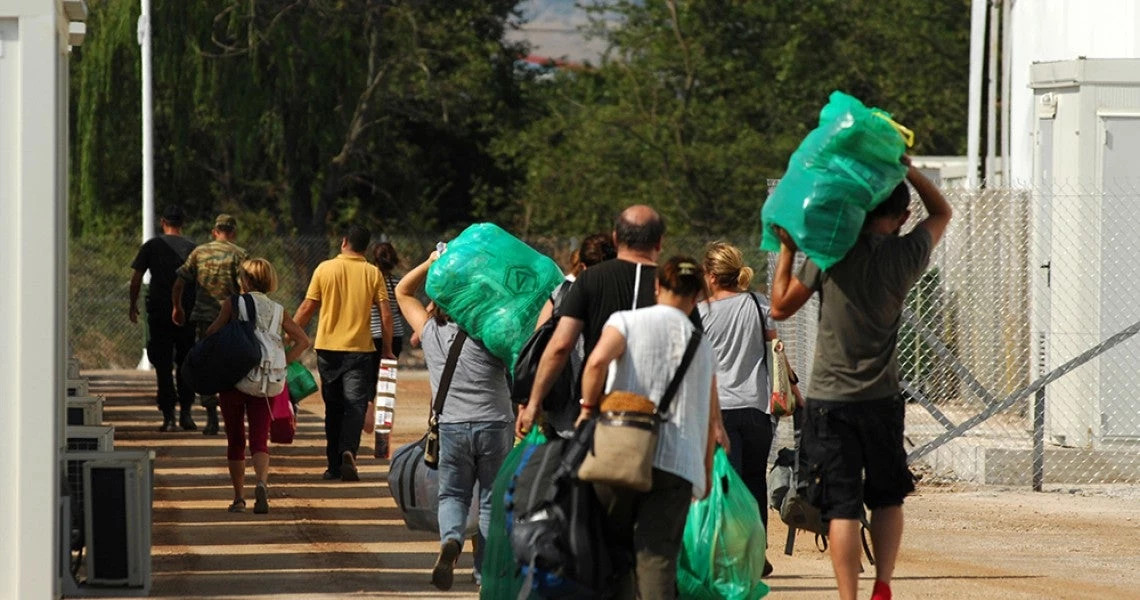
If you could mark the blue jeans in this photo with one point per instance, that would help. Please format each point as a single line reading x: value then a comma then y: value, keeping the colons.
x: 469, y: 453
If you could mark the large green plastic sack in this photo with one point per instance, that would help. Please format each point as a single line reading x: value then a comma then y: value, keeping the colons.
x: 494, y: 286
x: 722, y: 552
x: 501, y: 576
x: 842, y: 170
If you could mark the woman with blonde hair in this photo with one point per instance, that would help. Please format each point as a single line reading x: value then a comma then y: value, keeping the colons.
x: 257, y: 279
x: 738, y: 324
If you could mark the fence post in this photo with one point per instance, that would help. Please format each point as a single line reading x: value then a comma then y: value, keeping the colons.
x: 1039, y: 439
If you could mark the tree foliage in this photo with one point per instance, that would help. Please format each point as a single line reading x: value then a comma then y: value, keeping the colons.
x: 697, y: 104
x: 305, y: 114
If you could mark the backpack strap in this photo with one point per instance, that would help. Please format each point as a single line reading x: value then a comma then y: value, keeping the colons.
x: 675, y: 384
x: 278, y: 316
x: 448, y: 372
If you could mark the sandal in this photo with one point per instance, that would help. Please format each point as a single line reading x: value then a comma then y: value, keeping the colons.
x: 237, y: 506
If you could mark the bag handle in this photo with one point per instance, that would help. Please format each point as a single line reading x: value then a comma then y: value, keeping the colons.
x: 247, y: 309
x: 448, y: 372
x: 675, y: 384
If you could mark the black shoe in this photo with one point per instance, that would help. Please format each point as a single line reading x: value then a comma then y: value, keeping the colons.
x: 261, y: 501
x: 348, y: 470
x: 211, y: 422
x: 330, y: 475
x: 168, y: 425
x: 767, y: 569
x: 443, y: 574
x: 185, y: 422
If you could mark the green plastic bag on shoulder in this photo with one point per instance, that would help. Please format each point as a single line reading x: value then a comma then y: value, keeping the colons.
x: 722, y: 551
x: 493, y: 285
x: 501, y: 576
x: 844, y: 168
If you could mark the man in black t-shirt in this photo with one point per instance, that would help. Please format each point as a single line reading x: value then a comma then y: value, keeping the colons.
x: 168, y: 343
x: 600, y: 291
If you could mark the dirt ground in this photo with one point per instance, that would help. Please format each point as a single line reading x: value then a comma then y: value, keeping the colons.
x: 334, y: 540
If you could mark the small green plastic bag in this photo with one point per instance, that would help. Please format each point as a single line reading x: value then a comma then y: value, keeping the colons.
x: 844, y: 168
x: 300, y: 381
x: 494, y: 286
x: 501, y: 576
x: 722, y: 551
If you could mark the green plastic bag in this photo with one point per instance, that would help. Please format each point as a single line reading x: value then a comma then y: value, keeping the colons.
x: 722, y: 552
x: 300, y: 381
x: 842, y: 170
x: 494, y: 286
x: 501, y: 576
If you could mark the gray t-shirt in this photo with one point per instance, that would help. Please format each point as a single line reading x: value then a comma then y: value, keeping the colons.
x: 478, y: 391
x: 856, y: 350
x: 733, y: 327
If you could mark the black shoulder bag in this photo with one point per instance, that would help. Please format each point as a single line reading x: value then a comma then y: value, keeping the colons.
x: 431, y: 438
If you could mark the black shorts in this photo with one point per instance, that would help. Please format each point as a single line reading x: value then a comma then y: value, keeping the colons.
x: 853, y: 453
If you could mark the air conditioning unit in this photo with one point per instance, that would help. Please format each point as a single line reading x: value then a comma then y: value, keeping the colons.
x: 117, y: 504
x: 84, y: 410
x: 76, y: 387
x: 90, y: 437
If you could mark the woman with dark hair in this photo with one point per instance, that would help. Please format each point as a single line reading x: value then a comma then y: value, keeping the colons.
x: 475, y: 426
x: 384, y: 256
x: 641, y: 351
x: 594, y: 249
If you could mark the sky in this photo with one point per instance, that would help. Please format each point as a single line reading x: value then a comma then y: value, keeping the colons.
x: 551, y: 26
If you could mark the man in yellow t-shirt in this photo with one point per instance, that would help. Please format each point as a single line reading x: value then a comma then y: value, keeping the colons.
x: 344, y: 290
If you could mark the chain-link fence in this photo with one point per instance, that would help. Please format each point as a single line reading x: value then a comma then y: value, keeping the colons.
x: 1016, y: 348
x: 102, y: 336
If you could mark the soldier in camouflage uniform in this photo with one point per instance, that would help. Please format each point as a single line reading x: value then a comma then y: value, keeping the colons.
x: 216, y: 267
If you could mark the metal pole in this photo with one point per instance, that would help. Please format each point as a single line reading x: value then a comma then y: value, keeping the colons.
x: 147, y: 144
x: 1039, y: 440
x: 974, y: 121
x: 147, y: 125
x: 991, y: 96
x: 1006, y: 99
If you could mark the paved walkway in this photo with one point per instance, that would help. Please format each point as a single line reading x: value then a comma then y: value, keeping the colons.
x: 336, y: 540
x: 320, y: 538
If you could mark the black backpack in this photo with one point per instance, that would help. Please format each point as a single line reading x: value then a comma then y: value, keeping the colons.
x: 562, y: 392
x: 216, y: 363
x: 787, y: 494
x: 556, y: 523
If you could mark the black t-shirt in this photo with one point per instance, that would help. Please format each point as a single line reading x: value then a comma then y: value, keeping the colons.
x: 162, y: 255
x: 606, y: 288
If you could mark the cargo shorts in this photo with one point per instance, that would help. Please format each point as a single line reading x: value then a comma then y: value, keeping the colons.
x: 853, y: 455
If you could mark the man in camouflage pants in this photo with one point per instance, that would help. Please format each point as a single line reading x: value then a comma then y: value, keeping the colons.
x: 216, y: 267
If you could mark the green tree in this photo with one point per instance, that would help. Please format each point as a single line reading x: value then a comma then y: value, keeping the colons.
x: 697, y: 104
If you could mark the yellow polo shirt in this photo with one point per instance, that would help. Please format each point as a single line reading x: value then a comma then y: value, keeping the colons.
x: 347, y: 287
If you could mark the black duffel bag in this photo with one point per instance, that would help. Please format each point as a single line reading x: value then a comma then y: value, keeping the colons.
x: 216, y: 363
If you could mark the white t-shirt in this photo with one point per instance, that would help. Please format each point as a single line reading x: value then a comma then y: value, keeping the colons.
x: 655, y: 339
x: 732, y: 326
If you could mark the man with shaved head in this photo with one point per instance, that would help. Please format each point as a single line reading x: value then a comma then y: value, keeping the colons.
x: 621, y: 283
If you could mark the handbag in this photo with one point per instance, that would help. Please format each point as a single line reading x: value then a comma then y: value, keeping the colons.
x: 283, y: 421
x: 430, y: 440
x: 299, y: 381
x: 216, y: 363
x: 625, y: 439
x: 782, y: 401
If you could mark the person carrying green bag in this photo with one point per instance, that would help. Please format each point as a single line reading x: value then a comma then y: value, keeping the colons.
x: 722, y: 551
x: 300, y: 381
